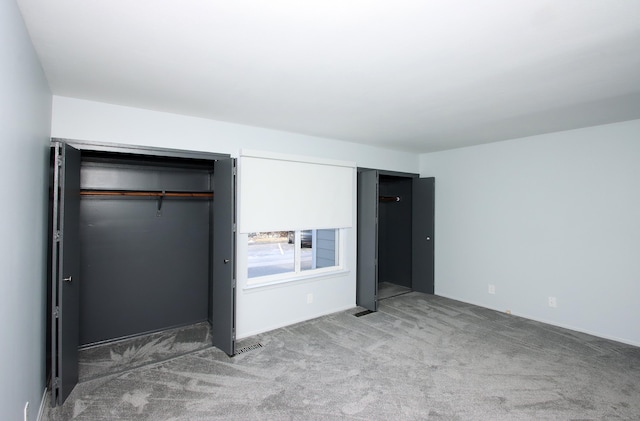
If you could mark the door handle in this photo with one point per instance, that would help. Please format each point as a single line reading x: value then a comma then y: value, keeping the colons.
x: 69, y: 279
x: 226, y: 260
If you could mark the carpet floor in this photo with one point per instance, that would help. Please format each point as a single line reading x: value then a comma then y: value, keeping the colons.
x: 389, y: 290
x: 420, y: 357
x: 119, y: 356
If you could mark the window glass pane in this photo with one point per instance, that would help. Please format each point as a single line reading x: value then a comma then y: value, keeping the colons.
x: 275, y: 253
x: 270, y: 253
x: 306, y: 250
x: 327, y: 248
x: 318, y: 249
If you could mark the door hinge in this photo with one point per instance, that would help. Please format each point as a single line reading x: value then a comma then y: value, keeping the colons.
x: 56, y: 312
x: 59, y: 160
x: 233, y: 334
x: 233, y: 283
x: 234, y: 227
x: 55, y: 383
x: 57, y: 236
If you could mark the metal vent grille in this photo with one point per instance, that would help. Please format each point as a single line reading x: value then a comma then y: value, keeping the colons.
x: 248, y: 348
x: 363, y: 313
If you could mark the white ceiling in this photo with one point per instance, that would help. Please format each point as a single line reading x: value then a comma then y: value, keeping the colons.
x: 410, y: 75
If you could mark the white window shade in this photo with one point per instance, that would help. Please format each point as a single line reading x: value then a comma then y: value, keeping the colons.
x: 283, y: 193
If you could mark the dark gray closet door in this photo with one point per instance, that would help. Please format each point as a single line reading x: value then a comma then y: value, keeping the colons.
x: 367, y: 271
x: 222, y: 311
x: 423, y: 228
x: 65, y: 269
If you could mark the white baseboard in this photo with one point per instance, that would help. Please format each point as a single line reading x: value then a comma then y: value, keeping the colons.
x: 549, y: 322
x: 43, y: 402
x: 294, y: 321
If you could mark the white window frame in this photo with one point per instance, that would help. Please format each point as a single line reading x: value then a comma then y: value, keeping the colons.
x: 298, y: 275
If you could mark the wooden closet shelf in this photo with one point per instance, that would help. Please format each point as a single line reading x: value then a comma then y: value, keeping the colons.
x: 389, y: 198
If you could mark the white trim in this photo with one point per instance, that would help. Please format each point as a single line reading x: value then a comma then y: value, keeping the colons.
x: 310, y: 275
x: 298, y: 275
x: 548, y: 322
x: 296, y: 158
x: 292, y: 322
x: 43, y: 403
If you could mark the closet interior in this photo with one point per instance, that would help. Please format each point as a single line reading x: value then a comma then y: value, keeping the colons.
x: 395, y: 232
x: 145, y: 235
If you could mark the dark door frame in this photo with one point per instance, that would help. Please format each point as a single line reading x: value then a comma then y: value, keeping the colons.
x: 85, y: 145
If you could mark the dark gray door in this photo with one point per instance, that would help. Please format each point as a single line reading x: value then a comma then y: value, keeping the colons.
x: 223, y: 297
x: 65, y: 269
x: 422, y: 238
x: 367, y: 271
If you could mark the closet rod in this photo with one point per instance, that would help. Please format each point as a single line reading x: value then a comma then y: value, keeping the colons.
x: 136, y: 193
x: 389, y: 198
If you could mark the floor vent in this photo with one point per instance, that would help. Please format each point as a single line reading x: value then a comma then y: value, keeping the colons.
x: 363, y: 313
x: 247, y: 348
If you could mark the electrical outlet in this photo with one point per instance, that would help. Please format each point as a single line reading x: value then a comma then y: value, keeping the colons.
x: 553, y: 302
x: 492, y: 289
x: 309, y: 298
x: 26, y: 411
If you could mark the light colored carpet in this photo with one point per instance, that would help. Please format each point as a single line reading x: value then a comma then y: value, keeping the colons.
x: 388, y: 290
x: 420, y: 357
x: 114, y: 357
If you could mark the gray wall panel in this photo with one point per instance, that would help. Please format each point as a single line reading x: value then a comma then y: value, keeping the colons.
x: 142, y: 272
x: 111, y: 176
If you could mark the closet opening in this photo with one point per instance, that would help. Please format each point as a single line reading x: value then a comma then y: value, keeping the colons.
x: 395, y: 235
x: 142, y: 242
x: 145, y: 236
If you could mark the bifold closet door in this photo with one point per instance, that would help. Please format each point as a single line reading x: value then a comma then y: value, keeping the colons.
x: 65, y: 270
x: 223, y: 284
x: 367, y: 270
x: 423, y: 234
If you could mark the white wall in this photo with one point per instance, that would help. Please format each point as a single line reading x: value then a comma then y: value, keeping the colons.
x: 261, y: 309
x: 550, y: 215
x: 94, y: 121
x: 25, y: 113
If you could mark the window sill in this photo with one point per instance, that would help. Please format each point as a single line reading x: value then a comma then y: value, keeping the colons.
x: 298, y: 279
